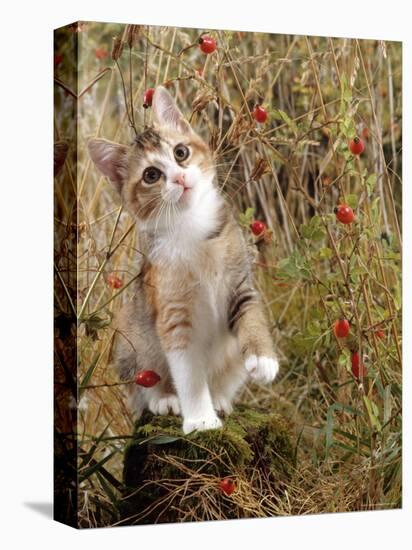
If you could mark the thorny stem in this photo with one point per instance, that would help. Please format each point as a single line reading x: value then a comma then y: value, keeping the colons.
x: 126, y: 104
x: 131, y: 88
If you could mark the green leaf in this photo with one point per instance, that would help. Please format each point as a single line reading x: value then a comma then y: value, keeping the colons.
x: 325, y: 253
x: 108, y: 490
x: 315, y: 221
x: 317, y: 314
x: 329, y: 432
x: 387, y: 404
x: 344, y: 359
x: 95, y: 467
x: 313, y: 230
x: 352, y: 437
x: 347, y: 96
x: 329, y: 428
x: 163, y: 440
x: 346, y: 92
x: 303, y: 343
x: 86, y: 458
x: 277, y: 113
x: 373, y: 413
x: 397, y: 295
x: 94, y: 322
x: 352, y: 200
x: 305, y: 231
x: 294, y: 267
x: 89, y: 374
x: 313, y: 328
x: 370, y: 183
x: 359, y: 270
x: 375, y: 211
x: 247, y: 217
x: 347, y: 127
x: 318, y: 235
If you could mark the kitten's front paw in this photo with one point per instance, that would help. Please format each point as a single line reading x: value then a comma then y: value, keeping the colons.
x: 262, y: 369
x: 164, y: 404
x: 206, y: 423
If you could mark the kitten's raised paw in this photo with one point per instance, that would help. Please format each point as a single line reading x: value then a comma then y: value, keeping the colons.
x: 206, y: 423
x: 262, y: 369
x: 164, y: 404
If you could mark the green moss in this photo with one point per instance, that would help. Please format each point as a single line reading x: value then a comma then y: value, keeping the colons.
x: 161, y: 460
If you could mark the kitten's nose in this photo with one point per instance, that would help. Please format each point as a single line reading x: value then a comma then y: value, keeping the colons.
x: 180, y: 179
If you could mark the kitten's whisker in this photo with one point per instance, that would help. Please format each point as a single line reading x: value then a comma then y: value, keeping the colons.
x: 149, y: 202
x: 168, y: 224
x: 162, y: 207
x: 171, y: 219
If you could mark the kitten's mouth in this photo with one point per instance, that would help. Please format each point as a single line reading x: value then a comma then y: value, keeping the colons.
x: 185, y: 193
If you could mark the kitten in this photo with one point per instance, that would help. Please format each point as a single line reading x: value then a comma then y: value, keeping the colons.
x: 196, y: 318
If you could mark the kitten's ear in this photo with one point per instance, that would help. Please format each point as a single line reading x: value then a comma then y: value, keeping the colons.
x: 166, y: 112
x: 111, y: 159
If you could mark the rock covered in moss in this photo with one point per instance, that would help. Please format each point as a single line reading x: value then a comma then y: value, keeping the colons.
x: 175, y: 477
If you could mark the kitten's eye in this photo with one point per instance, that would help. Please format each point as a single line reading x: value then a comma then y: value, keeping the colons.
x: 151, y: 174
x: 181, y: 152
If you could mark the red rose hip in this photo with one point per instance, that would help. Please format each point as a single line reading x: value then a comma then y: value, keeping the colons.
x: 227, y: 486
x: 260, y: 114
x: 101, y: 53
x: 147, y: 378
x: 257, y: 227
x: 344, y: 213
x: 114, y: 281
x: 148, y: 98
x: 358, y: 368
x: 356, y: 146
x: 341, y: 328
x: 207, y: 44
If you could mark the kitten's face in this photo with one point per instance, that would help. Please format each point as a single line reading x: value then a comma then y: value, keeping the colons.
x: 168, y: 170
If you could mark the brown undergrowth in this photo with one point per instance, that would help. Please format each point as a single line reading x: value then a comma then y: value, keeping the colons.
x: 290, y: 173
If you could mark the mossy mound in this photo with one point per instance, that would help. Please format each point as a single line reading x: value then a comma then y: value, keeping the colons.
x: 173, y: 477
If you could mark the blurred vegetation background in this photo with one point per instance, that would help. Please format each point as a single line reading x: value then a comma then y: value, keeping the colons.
x: 288, y: 172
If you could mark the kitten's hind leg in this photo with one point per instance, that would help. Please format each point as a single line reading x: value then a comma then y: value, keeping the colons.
x: 224, y: 391
x: 135, y: 401
x: 138, y: 349
x: 160, y: 402
x: 126, y: 366
x: 225, y: 383
x: 160, y: 399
